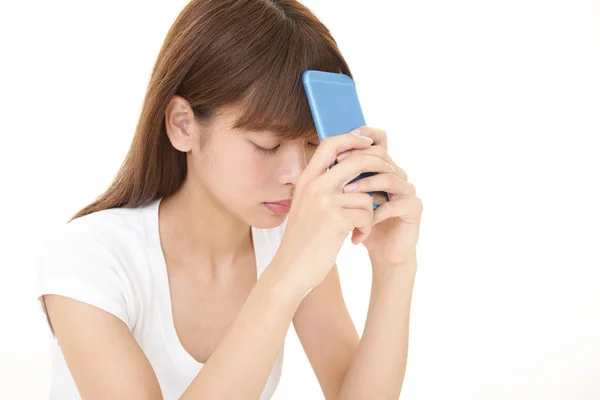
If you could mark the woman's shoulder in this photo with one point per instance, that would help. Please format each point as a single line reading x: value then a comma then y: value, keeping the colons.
x: 111, y: 241
x: 92, y: 259
x: 102, y: 236
x: 110, y: 225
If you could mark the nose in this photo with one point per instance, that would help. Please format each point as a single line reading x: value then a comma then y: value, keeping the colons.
x: 294, y: 163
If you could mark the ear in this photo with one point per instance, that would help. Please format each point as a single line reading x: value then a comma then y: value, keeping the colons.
x: 179, y: 123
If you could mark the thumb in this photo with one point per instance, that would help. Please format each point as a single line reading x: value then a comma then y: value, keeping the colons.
x: 358, y: 236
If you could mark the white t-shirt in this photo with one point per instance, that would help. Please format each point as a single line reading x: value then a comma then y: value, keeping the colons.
x: 112, y: 259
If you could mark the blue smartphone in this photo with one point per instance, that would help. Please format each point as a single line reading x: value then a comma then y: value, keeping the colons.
x: 335, y: 109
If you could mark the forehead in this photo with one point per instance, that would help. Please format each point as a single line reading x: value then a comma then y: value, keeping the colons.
x: 226, y: 116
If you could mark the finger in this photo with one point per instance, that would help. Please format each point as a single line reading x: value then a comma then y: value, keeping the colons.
x: 378, y: 151
x: 379, y: 136
x: 384, y: 182
x: 351, y: 167
x: 325, y: 155
x: 360, y: 201
x: 359, y: 236
x: 408, y: 209
x: 373, y: 150
x: 355, y: 200
x: 360, y: 220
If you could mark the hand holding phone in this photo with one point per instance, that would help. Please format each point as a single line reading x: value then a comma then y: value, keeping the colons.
x: 321, y: 217
x: 336, y: 110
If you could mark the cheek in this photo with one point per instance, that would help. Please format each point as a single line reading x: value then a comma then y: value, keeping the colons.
x: 259, y: 169
x: 249, y: 171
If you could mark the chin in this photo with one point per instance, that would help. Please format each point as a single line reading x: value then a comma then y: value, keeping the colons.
x: 264, y: 219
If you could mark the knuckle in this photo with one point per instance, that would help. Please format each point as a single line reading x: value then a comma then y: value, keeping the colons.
x: 383, y: 164
x: 324, y: 202
x: 379, y: 151
x: 411, y: 188
x: 365, y: 162
x: 311, y: 188
x: 389, y: 179
x: 419, y: 203
x: 402, y: 173
x: 366, y: 201
x: 376, y: 163
x: 326, y: 145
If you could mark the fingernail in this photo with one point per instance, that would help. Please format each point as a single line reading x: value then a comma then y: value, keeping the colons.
x: 392, y: 168
x: 350, y: 187
x: 343, y: 155
x: 356, y: 132
x: 368, y: 139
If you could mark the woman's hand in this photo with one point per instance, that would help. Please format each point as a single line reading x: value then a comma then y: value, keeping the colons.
x: 394, y: 233
x: 321, y: 215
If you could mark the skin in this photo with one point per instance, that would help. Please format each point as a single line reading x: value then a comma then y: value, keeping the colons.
x: 252, y: 178
x: 243, y: 336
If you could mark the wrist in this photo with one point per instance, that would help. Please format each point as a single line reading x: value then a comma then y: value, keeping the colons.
x: 392, y: 274
x: 408, y: 262
x: 405, y: 270
x: 283, y: 280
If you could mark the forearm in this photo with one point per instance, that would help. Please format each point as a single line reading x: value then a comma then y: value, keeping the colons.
x: 240, y: 366
x: 378, y: 367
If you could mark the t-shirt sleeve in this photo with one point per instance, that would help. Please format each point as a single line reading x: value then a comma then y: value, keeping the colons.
x: 78, y: 264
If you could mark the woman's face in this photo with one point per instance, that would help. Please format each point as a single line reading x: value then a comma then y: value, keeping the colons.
x: 240, y: 176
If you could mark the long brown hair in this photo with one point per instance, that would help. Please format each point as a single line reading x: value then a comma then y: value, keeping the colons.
x: 217, y: 53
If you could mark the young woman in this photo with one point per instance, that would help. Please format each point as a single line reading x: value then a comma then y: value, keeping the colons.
x: 181, y: 279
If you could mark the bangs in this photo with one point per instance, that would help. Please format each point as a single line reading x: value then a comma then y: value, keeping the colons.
x: 276, y: 101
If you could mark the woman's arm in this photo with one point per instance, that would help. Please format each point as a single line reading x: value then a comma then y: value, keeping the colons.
x: 103, y: 357
x: 240, y: 366
x: 106, y: 361
x: 378, y: 366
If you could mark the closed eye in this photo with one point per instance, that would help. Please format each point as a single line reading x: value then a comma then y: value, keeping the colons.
x: 262, y: 150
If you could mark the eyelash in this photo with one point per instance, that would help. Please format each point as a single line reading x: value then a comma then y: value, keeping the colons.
x: 262, y: 150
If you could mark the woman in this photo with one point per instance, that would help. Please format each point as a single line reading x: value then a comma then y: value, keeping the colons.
x: 181, y: 280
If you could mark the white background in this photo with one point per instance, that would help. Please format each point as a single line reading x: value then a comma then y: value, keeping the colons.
x: 491, y: 107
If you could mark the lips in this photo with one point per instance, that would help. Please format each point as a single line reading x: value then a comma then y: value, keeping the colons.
x: 282, y: 202
x: 280, y: 207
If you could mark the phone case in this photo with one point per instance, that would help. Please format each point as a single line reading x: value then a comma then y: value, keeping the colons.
x: 335, y: 109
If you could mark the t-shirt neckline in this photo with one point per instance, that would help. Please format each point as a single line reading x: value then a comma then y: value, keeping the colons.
x: 177, y: 353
